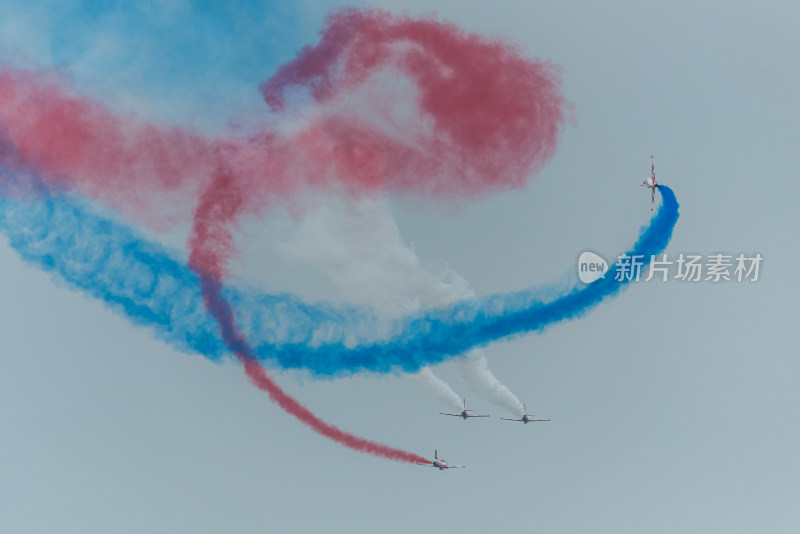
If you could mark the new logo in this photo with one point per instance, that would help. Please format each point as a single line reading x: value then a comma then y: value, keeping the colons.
x: 591, y: 267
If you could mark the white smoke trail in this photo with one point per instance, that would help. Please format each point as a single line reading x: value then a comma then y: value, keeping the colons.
x: 474, y: 370
x: 358, y: 245
x: 438, y: 389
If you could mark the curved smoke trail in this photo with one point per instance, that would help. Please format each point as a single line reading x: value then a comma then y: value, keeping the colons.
x: 208, y: 245
x: 150, y: 286
x: 433, y: 336
x: 220, y: 310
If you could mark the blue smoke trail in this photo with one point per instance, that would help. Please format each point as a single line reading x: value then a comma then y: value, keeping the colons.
x: 141, y: 280
x: 160, y: 50
x: 433, y: 336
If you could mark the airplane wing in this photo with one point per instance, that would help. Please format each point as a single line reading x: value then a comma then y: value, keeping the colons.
x: 442, y: 467
x: 480, y: 416
x: 452, y: 414
x: 532, y: 420
x: 504, y: 419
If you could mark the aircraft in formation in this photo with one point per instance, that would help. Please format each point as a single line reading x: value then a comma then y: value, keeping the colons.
x: 464, y: 414
x: 651, y: 183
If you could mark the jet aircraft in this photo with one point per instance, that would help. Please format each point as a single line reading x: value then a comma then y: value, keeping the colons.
x: 464, y: 414
x: 440, y: 464
x: 651, y: 182
x: 526, y: 417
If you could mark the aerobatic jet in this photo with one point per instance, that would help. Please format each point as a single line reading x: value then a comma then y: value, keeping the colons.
x: 651, y: 182
x: 465, y: 414
x: 440, y: 464
x: 526, y: 417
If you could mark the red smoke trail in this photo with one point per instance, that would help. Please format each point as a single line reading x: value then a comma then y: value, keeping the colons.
x: 77, y: 143
x: 258, y: 376
x: 483, y: 118
x: 487, y: 116
x: 208, y: 251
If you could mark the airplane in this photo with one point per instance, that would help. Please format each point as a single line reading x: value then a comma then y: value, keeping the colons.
x: 526, y: 417
x: 441, y: 464
x: 465, y: 414
x: 651, y: 182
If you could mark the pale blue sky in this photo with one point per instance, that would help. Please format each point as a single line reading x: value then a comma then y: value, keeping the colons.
x: 674, y: 406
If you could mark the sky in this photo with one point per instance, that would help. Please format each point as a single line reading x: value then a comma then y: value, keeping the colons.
x: 672, y: 404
